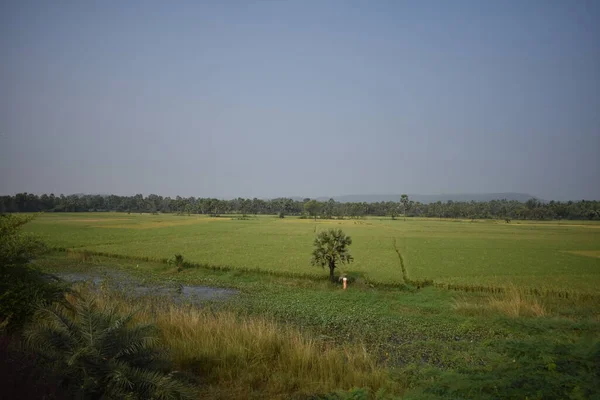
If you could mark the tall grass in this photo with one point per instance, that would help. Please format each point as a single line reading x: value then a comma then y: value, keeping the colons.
x: 80, y: 256
x: 237, y: 357
x: 242, y: 355
x: 515, y: 303
x: 512, y: 302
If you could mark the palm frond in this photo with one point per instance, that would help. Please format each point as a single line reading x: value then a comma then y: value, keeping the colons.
x: 101, y: 353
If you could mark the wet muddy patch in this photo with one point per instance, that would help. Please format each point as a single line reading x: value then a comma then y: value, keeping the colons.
x: 130, y: 286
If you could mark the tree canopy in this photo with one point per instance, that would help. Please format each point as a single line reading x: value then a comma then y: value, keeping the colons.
x: 331, y: 249
x: 494, y: 209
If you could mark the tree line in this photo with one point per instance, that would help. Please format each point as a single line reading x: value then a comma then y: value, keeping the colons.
x: 495, y: 209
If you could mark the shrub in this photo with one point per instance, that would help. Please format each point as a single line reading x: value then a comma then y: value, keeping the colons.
x: 177, y: 261
x: 99, y: 353
x: 22, y: 286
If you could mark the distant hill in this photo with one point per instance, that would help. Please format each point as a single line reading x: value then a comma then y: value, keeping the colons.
x: 429, y: 198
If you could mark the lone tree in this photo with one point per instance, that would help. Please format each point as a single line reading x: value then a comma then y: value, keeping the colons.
x: 331, y: 248
x: 405, y: 203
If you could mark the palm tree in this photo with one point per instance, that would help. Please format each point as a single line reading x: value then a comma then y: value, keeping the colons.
x: 405, y: 203
x: 101, y: 354
x: 331, y: 248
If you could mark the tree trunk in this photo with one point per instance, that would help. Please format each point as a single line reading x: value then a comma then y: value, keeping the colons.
x: 331, y: 268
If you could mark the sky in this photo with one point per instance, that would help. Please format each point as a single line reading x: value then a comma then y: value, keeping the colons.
x: 300, y: 98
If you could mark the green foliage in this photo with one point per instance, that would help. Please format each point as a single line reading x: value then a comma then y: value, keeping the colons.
x: 533, y: 209
x: 405, y: 204
x: 16, y: 247
x: 443, y: 354
x: 531, y: 369
x: 22, y: 287
x: 177, y: 261
x: 102, y: 354
x: 312, y: 207
x: 331, y: 248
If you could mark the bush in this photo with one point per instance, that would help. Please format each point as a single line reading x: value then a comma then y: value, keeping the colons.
x: 99, y: 353
x: 177, y: 261
x: 22, y: 287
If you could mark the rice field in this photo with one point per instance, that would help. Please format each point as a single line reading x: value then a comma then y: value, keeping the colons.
x: 563, y: 256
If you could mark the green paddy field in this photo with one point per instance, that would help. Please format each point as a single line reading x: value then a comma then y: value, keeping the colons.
x: 554, y: 255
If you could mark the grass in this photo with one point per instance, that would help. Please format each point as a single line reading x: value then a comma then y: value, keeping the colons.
x: 253, y: 355
x: 552, y: 256
x: 237, y: 356
x: 513, y: 303
x: 427, y: 343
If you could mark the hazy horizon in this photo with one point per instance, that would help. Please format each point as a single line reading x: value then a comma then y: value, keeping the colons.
x: 373, y: 197
x: 304, y: 99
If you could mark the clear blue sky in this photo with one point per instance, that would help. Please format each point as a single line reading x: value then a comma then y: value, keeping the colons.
x: 300, y: 98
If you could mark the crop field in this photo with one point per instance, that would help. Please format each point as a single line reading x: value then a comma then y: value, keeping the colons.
x: 563, y: 256
x: 281, y: 334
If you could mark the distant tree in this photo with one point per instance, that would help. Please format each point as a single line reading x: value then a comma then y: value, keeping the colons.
x: 593, y: 214
x: 312, y: 208
x: 329, y: 209
x: 331, y: 248
x: 405, y: 204
x: 393, y: 210
x: 354, y: 210
x: 532, y: 203
x: 339, y: 211
x: 494, y: 209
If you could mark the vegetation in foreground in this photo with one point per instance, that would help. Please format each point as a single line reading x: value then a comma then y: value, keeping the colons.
x: 241, y: 356
x: 95, y: 352
x: 21, y: 286
x: 427, y: 343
